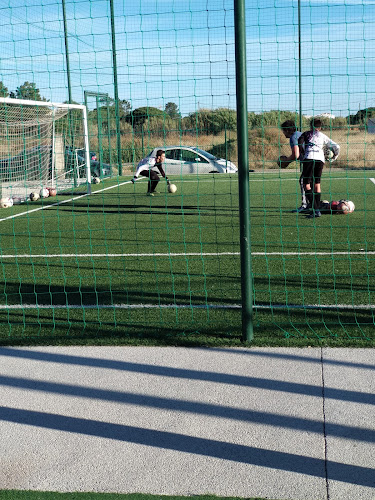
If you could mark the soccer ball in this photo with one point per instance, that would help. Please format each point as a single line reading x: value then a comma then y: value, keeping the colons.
x: 328, y: 154
x: 324, y: 205
x: 346, y: 206
x: 6, y: 202
x: 44, y: 193
x: 34, y: 196
x: 96, y: 180
x: 335, y: 206
x: 52, y: 191
x: 172, y: 188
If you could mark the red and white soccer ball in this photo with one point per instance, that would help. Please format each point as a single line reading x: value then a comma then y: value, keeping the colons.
x: 6, y: 202
x: 334, y: 206
x: 52, y: 191
x: 44, y: 193
x: 346, y: 206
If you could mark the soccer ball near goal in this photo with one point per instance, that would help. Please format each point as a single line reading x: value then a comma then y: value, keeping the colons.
x: 52, y: 191
x: 172, y: 188
x: 346, y: 206
x: 328, y: 154
x: 96, y: 180
x: 44, y: 193
x: 6, y: 202
x: 34, y: 196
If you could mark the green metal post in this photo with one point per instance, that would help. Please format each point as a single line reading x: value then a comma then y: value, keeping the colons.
x: 109, y: 133
x: 70, y: 98
x: 67, y: 52
x: 226, y: 147
x: 299, y: 65
x: 115, y: 83
x: 243, y: 170
x: 100, y: 145
x: 143, y: 146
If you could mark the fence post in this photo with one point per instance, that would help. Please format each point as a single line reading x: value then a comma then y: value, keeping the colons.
x: 115, y: 84
x: 243, y: 170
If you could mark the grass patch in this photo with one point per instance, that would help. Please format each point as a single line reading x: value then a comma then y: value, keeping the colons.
x: 118, y: 267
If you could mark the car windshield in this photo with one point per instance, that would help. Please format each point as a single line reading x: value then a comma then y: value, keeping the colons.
x: 209, y: 156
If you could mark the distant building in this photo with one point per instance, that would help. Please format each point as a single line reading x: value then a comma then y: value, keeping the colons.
x: 321, y: 115
x: 371, y: 126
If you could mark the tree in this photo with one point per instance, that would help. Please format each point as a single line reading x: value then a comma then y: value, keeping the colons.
x: 109, y: 111
x: 138, y: 116
x: 171, y: 109
x: 3, y: 90
x: 361, y: 116
x: 28, y: 91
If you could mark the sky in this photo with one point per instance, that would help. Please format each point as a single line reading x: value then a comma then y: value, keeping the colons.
x: 182, y: 51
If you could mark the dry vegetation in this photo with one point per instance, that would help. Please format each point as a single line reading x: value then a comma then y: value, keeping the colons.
x: 265, y: 146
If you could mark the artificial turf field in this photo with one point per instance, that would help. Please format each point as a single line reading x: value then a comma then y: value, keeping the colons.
x: 118, y: 266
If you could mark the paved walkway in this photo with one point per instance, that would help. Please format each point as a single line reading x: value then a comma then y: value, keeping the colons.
x: 274, y: 423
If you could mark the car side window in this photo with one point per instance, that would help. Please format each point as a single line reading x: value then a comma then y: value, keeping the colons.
x: 191, y: 156
x: 187, y: 155
x: 172, y: 154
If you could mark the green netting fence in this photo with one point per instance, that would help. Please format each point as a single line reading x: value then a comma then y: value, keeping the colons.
x: 102, y: 259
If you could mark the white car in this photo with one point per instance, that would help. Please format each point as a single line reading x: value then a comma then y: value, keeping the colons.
x: 189, y: 160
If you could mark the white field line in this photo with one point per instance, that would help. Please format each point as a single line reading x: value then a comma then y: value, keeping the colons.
x: 64, y: 201
x: 140, y: 180
x: 183, y: 254
x: 187, y: 306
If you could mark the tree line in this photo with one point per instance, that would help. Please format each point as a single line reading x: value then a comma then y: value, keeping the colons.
x: 212, y: 121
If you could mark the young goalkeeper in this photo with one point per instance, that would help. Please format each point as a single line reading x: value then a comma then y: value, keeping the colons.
x: 146, y: 170
x: 315, y: 143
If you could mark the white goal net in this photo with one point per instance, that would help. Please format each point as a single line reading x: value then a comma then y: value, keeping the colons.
x: 38, y: 147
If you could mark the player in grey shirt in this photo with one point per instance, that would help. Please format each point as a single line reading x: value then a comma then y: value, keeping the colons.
x: 290, y: 131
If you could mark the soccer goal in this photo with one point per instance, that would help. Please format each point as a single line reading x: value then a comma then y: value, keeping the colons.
x: 38, y: 144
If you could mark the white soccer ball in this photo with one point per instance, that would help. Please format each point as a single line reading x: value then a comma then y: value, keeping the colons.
x: 329, y: 154
x: 96, y: 180
x: 346, y: 206
x: 172, y: 188
x: 34, y: 196
x: 6, y: 202
x: 44, y: 193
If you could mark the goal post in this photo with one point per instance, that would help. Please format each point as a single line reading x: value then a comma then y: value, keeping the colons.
x: 38, y: 144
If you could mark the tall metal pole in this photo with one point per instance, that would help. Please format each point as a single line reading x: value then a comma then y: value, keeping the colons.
x: 299, y: 65
x: 67, y: 52
x: 115, y: 83
x: 243, y: 170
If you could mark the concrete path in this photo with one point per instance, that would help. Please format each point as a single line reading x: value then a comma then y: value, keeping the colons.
x: 274, y: 423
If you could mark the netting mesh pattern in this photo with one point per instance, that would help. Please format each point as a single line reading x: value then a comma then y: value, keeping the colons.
x: 161, y: 75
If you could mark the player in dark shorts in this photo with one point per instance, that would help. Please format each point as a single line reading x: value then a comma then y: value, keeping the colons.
x: 315, y: 143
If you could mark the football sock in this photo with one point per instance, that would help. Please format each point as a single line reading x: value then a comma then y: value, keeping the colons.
x: 309, y: 196
x: 316, y: 201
